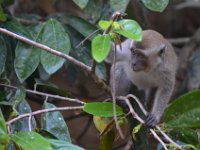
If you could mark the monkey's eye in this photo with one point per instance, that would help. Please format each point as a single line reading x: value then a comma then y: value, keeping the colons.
x: 133, y: 51
x: 161, y: 51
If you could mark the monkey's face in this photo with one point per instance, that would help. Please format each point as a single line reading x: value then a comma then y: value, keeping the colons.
x: 139, y: 61
x: 156, y: 56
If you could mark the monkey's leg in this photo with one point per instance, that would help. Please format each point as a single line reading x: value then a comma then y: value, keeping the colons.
x: 161, y: 100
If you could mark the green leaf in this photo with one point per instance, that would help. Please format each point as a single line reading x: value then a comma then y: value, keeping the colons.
x: 54, y: 123
x: 197, y: 146
x: 52, y: 88
x: 4, y: 137
x: 26, y: 60
x: 20, y: 106
x: 156, y: 5
x: 23, y: 124
x: 31, y: 141
x: 3, y: 129
x: 103, y: 109
x: 6, y: 2
x: 82, y: 53
x: 103, y: 24
x: 3, y: 54
x: 2, y: 15
x: 136, y: 129
x: 119, y: 5
x: 100, y: 47
x: 130, y: 29
x: 107, y: 141
x: 96, y: 9
x: 18, y: 97
x: 185, y: 135
x: 55, y: 37
x: 63, y: 145
x: 9, y: 64
x: 27, y: 57
x: 4, y: 141
x: 80, y: 25
x: 101, y: 122
x: 184, y: 111
x: 81, y: 3
x: 18, y: 28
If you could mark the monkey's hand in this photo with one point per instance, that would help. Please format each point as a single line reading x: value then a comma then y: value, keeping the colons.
x: 151, y: 121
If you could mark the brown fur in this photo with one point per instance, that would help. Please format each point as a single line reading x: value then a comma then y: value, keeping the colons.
x: 156, y: 69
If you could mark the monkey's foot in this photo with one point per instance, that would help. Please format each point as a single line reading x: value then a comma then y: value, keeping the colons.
x: 151, y: 121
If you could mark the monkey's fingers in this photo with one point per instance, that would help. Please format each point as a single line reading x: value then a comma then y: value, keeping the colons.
x: 150, y: 121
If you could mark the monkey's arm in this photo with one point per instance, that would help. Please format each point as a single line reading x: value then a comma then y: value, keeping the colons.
x: 122, y: 83
x: 161, y: 100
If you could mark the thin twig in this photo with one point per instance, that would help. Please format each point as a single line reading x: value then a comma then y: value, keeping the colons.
x: 176, y: 41
x: 47, y: 95
x: 135, y: 115
x: 167, y: 137
x: 191, y: 3
x: 82, y: 42
x: 93, y: 66
x: 42, y: 111
x: 115, y: 17
x: 29, y: 123
x: 159, y: 139
x: 84, y: 67
x: 138, y: 102
x: 46, y: 48
x: 114, y: 97
x: 25, y: 21
x: 157, y: 127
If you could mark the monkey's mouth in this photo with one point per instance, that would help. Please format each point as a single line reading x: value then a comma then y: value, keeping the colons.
x: 136, y: 68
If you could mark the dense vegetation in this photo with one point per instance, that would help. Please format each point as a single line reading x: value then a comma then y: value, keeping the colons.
x: 52, y: 62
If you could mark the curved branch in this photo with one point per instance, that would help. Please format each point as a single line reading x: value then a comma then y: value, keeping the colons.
x: 145, y: 112
x: 84, y: 67
x: 47, y: 95
x: 46, y: 48
x: 42, y: 111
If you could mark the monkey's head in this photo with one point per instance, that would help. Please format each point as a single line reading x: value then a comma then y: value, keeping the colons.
x: 146, y: 59
x: 139, y: 60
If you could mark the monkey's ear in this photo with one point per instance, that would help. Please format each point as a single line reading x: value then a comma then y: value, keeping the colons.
x: 162, y: 50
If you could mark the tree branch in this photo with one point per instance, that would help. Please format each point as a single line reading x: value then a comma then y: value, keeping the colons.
x: 89, y: 36
x: 84, y: 67
x: 46, y: 48
x: 181, y: 40
x: 145, y: 112
x: 135, y: 115
x: 8, y: 123
x: 47, y: 95
x: 113, y: 90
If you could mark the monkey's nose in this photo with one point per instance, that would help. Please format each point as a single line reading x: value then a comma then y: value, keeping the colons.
x: 134, y: 65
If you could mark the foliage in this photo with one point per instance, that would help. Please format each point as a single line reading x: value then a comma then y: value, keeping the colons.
x: 101, y: 43
x: 156, y: 5
x: 63, y: 32
x: 55, y: 124
x: 182, y: 117
x: 103, y: 109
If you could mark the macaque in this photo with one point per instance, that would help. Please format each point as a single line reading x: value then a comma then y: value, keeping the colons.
x: 151, y: 63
